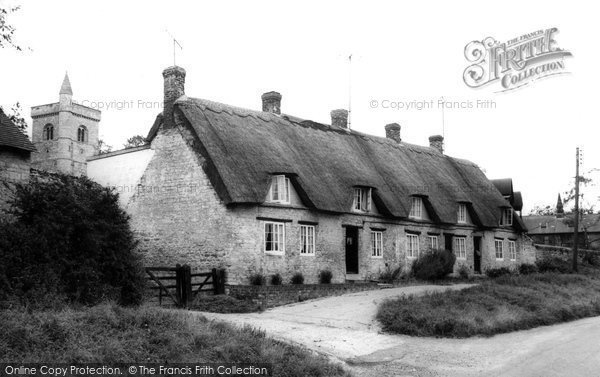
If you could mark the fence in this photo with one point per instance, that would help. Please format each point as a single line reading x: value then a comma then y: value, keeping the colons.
x: 182, y: 286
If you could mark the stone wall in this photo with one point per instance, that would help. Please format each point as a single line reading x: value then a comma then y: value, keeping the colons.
x: 14, y: 168
x: 276, y: 295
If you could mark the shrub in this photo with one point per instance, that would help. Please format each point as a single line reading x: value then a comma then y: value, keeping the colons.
x: 69, y: 238
x: 325, y: 276
x: 257, y: 279
x: 497, y: 272
x: 526, y: 269
x: 297, y: 278
x: 389, y: 276
x: 434, y: 265
x: 463, y: 271
x: 276, y: 279
x: 553, y: 264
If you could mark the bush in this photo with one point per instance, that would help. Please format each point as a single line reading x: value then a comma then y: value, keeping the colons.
x: 257, y: 279
x: 463, y: 271
x: 526, y: 269
x: 71, y: 239
x: 434, y: 265
x: 276, y: 279
x: 389, y: 276
x: 325, y: 276
x: 553, y: 264
x: 297, y: 278
x: 497, y: 272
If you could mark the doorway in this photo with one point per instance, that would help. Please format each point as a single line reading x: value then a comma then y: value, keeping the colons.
x: 351, y: 250
x: 477, y: 254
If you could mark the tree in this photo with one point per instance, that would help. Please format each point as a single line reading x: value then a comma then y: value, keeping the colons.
x: 7, y: 31
x: 135, y: 141
x: 542, y: 211
x: 16, y: 117
x: 103, y: 147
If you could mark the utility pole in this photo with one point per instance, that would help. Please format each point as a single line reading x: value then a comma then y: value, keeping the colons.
x: 576, y: 230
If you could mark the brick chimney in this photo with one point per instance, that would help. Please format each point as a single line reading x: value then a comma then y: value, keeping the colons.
x: 437, y: 142
x: 392, y: 131
x: 339, y: 118
x: 271, y: 102
x: 174, y: 79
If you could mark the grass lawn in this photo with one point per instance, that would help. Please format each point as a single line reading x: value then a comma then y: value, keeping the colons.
x: 505, y: 304
x: 111, y: 334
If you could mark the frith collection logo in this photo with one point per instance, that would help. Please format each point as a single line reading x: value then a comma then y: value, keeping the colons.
x: 515, y: 63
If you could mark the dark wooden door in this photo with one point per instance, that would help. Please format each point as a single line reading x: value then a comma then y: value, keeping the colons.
x: 477, y: 254
x: 351, y: 250
x: 448, y: 241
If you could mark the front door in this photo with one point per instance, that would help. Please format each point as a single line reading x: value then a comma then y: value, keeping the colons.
x: 351, y: 250
x: 477, y: 254
x: 448, y: 242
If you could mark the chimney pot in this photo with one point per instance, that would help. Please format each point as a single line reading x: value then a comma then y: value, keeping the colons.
x: 174, y: 87
x: 271, y: 102
x: 437, y: 142
x: 339, y: 118
x: 392, y: 131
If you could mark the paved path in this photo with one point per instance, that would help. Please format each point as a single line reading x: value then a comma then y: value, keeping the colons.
x: 344, y: 328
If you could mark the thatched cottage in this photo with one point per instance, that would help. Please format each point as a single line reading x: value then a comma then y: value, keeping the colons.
x: 262, y: 191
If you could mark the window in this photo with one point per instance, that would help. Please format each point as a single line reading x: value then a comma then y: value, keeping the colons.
x: 274, y: 238
x: 362, y: 199
x: 512, y: 250
x: 48, y: 133
x: 460, y: 247
x: 82, y: 134
x: 462, y: 213
x: 280, y: 189
x: 499, y: 249
x: 412, y: 245
x: 507, y: 216
x: 433, y: 242
x: 376, y: 244
x: 416, y: 209
x: 307, y: 240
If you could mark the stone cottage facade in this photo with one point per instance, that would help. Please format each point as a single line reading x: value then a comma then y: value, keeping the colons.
x: 261, y: 191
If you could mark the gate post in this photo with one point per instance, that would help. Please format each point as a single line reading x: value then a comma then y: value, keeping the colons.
x: 186, y: 286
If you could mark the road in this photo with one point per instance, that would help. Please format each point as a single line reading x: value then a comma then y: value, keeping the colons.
x: 344, y: 328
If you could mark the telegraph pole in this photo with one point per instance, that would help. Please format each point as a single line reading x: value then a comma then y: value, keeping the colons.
x: 576, y: 230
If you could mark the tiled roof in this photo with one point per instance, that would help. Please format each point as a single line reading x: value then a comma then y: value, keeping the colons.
x: 11, y: 136
x: 553, y: 224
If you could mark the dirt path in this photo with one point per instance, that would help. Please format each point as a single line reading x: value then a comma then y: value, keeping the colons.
x: 344, y: 328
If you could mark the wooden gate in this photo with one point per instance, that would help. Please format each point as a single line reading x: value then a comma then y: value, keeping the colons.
x: 182, y: 286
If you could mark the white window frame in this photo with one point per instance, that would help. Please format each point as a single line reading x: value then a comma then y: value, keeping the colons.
x: 501, y: 243
x: 507, y: 217
x: 376, y: 244
x: 307, y: 240
x: 362, y: 199
x: 279, y: 184
x: 512, y: 250
x: 412, y: 245
x: 279, y: 243
x: 433, y: 242
x: 460, y: 247
x: 462, y: 213
x: 416, y: 208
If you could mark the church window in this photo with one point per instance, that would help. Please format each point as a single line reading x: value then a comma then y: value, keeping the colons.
x: 48, y: 133
x: 82, y: 134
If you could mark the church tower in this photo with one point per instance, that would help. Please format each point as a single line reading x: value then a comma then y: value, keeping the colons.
x: 65, y: 134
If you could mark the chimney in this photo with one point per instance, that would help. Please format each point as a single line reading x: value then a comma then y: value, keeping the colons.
x: 437, y: 142
x: 339, y: 118
x: 174, y: 79
x: 392, y: 131
x: 271, y: 102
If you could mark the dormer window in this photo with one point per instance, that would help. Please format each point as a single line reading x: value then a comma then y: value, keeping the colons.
x: 416, y: 208
x: 507, y: 217
x: 462, y: 213
x: 362, y: 199
x: 280, y: 190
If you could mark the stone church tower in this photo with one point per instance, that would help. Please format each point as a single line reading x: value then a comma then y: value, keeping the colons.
x: 65, y: 134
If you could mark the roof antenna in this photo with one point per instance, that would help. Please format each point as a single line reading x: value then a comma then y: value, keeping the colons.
x: 350, y: 92
x: 175, y: 43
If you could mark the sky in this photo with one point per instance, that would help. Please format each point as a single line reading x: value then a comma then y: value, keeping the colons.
x: 402, y: 53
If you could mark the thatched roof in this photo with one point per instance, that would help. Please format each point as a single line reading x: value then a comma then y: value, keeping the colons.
x: 12, y: 137
x: 243, y: 148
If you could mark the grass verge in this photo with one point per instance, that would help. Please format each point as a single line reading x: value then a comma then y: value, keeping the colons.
x: 501, y: 305
x: 111, y: 334
x: 224, y: 304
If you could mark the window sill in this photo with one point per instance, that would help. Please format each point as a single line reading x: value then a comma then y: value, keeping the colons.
x: 376, y: 256
x: 307, y: 254
x: 499, y: 259
x: 275, y: 253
